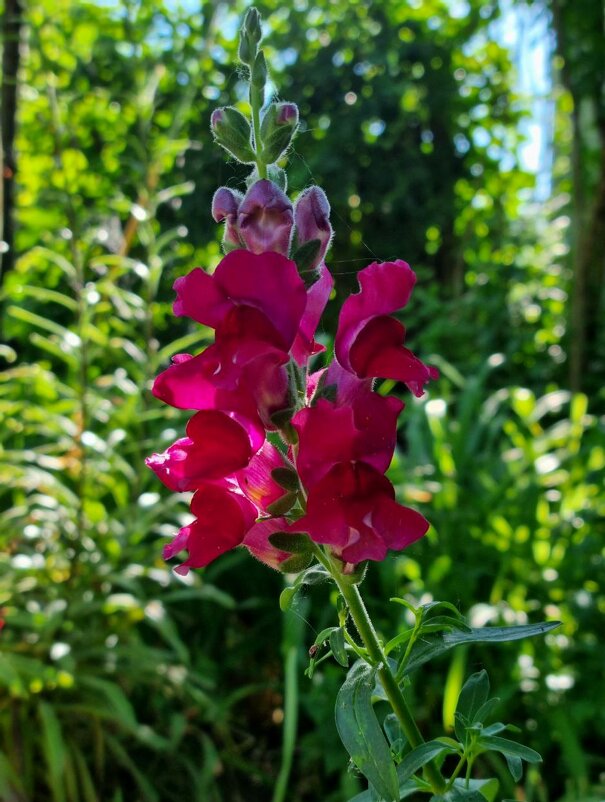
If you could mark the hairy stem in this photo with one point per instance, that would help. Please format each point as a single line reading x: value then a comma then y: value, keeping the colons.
x: 367, y: 633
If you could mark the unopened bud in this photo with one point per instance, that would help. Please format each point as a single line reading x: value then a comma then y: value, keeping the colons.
x: 258, y: 76
x: 225, y: 206
x: 312, y: 221
x: 277, y: 130
x: 231, y: 131
x: 265, y: 218
x: 258, y: 79
x: 250, y: 36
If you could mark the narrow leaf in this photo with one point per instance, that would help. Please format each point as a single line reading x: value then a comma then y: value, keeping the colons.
x: 436, y: 644
x: 420, y: 756
x: 473, y: 695
x: 286, y: 597
x: 337, y: 644
x: 361, y: 734
x: 514, y: 766
x: 407, y: 789
x: 506, y: 747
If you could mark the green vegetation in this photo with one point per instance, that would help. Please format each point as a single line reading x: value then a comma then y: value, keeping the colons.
x: 120, y: 680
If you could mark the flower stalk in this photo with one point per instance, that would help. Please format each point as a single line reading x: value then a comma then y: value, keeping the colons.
x: 367, y: 632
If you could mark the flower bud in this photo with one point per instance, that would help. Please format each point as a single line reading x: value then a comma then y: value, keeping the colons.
x: 312, y: 221
x: 277, y: 130
x: 231, y: 131
x: 265, y: 218
x: 225, y: 206
x: 258, y: 79
x: 250, y: 36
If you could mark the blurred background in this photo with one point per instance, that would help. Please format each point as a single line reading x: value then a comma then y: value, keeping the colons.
x: 464, y: 136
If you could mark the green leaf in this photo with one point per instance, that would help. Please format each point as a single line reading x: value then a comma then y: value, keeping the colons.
x: 53, y: 747
x: 283, y: 504
x: 115, y: 696
x: 305, y: 255
x: 361, y: 734
x: 10, y: 782
x: 286, y: 597
x: 292, y: 542
x: 457, y: 794
x: 436, y: 644
x: 506, y: 747
x: 313, y: 576
x: 337, y: 644
x: 474, y: 791
x: 87, y: 784
x: 486, y: 709
x: 286, y: 478
x: 296, y: 563
x: 148, y: 792
x: 514, y: 766
x: 420, y: 756
x: 407, y: 789
x: 473, y: 695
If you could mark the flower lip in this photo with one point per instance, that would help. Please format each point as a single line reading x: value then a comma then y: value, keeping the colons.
x: 353, y: 510
x: 267, y: 282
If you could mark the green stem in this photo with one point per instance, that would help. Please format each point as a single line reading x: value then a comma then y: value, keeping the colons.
x: 261, y: 166
x: 368, y: 635
x: 292, y: 638
x: 290, y: 723
x: 456, y: 771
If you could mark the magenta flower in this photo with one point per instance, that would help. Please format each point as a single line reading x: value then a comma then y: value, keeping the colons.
x: 353, y: 510
x: 256, y: 482
x: 329, y: 434
x: 317, y: 298
x: 256, y: 304
x: 225, y: 206
x: 222, y: 520
x: 265, y: 218
x: 267, y: 282
x: 257, y: 542
x: 341, y: 434
x: 215, y: 446
x: 312, y: 220
x: 369, y: 342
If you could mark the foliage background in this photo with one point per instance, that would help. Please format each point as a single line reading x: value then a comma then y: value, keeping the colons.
x: 119, y: 680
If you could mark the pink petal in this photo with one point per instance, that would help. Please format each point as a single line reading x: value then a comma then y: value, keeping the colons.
x: 378, y: 351
x: 255, y: 480
x: 257, y: 541
x: 327, y: 435
x: 266, y: 282
x: 368, y: 342
x: 398, y: 526
x: 317, y: 298
x: 223, y: 518
x: 384, y: 288
x: 265, y: 218
x: 352, y: 509
x: 187, y: 385
x: 215, y: 447
x: 361, y: 426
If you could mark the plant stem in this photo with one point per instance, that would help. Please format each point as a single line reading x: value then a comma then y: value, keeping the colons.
x: 456, y: 771
x: 261, y: 166
x: 292, y: 638
x: 290, y: 722
x: 368, y: 635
